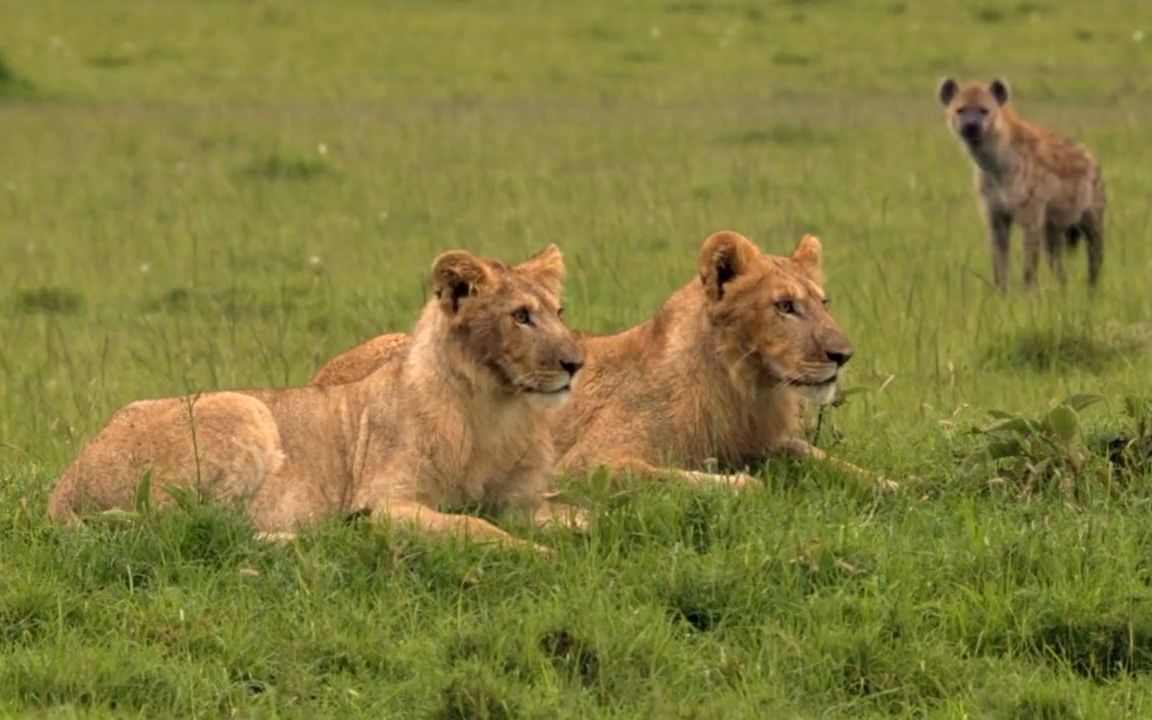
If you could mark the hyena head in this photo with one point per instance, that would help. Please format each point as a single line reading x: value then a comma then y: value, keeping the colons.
x: 973, y: 110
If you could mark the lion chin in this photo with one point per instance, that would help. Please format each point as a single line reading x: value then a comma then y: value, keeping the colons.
x: 550, y: 400
x: 818, y: 394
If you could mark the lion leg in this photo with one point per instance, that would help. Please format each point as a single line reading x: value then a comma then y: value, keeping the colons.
x: 797, y: 449
x: 565, y: 515
x: 645, y: 470
x: 473, y: 528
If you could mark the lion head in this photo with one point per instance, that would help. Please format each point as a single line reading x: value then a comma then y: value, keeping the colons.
x: 506, y: 323
x: 769, y: 314
x: 973, y: 110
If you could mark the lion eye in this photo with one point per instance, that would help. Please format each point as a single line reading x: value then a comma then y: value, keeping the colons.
x: 559, y: 312
x: 788, y: 307
x: 522, y: 316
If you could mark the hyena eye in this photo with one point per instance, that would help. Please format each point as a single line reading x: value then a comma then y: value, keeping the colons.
x: 787, y: 307
x: 560, y: 313
x: 983, y: 111
x: 522, y: 316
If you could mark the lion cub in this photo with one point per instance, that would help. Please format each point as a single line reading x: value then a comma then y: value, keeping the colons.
x: 716, y: 378
x: 460, y: 419
x: 1028, y: 175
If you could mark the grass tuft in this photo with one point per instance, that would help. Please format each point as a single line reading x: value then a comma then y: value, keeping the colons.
x: 284, y: 167
x: 12, y: 84
x: 571, y: 656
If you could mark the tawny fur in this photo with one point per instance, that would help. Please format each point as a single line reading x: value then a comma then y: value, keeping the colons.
x: 1030, y: 176
x: 715, y: 378
x: 460, y: 419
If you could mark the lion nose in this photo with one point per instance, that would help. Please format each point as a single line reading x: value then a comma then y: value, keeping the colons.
x: 839, y: 355
x: 572, y: 366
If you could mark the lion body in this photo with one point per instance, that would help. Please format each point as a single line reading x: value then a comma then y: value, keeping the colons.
x: 461, y: 420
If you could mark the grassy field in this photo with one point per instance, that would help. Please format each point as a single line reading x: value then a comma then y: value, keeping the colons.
x: 225, y: 194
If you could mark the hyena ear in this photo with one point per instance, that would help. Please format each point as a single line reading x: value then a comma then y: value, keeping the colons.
x: 458, y: 275
x: 948, y: 89
x: 723, y: 257
x: 999, y: 90
x: 547, y: 266
x: 809, y: 255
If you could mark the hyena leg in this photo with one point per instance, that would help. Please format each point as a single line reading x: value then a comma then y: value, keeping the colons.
x: 1034, y: 234
x: 999, y: 228
x: 1092, y: 225
x: 1054, y: 239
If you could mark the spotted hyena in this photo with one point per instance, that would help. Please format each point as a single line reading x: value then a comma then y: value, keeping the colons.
x: 1027, y: 175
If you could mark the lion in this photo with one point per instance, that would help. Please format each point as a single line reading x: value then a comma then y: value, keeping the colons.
x: 716, y: 378
x: 460, y: 419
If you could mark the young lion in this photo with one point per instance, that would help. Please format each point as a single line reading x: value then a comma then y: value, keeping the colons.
x: 1048, y: 184
x: 460, y: 419
x: 715, y: 378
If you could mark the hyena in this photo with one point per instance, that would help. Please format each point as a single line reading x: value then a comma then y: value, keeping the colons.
x: 1029, y: 175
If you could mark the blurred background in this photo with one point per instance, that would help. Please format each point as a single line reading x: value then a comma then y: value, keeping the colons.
x: 199, y: 195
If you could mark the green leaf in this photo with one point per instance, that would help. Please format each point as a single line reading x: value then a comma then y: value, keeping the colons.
x: 1000, y: 415
x: 1064, y: 423
x: 1005, y: 449
x: 1079, y: 402
x: 1012, y: 425
x: 143, y: 497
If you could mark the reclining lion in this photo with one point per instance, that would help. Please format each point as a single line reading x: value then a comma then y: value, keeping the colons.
x: 461, y: 420
x: 715, y: 378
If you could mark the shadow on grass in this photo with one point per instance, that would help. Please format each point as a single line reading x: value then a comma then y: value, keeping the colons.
x: 49, y: 301
x: 1044, y: 350
x: 1098, y: 649
x: 781, y: 134
x: 12, y: 84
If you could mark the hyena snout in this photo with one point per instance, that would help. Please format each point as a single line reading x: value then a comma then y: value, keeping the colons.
x: 971, y: 131
x: 971, y: 124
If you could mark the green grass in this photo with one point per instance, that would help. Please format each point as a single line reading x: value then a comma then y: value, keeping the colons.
x: 221, y: 194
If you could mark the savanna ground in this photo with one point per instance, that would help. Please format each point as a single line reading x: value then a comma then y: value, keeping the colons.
x: 224, y: 194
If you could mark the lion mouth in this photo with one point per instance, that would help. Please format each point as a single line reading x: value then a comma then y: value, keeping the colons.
x: 557, y: 391
x: 805, y: 382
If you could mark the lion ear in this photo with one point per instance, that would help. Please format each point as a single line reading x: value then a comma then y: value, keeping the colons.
x: 458, y: 275
x: 809, y: 255
x: 547, y: 266
x: 724, y: 257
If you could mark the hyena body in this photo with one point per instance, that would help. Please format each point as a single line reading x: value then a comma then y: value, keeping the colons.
x: 1048, y: 185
